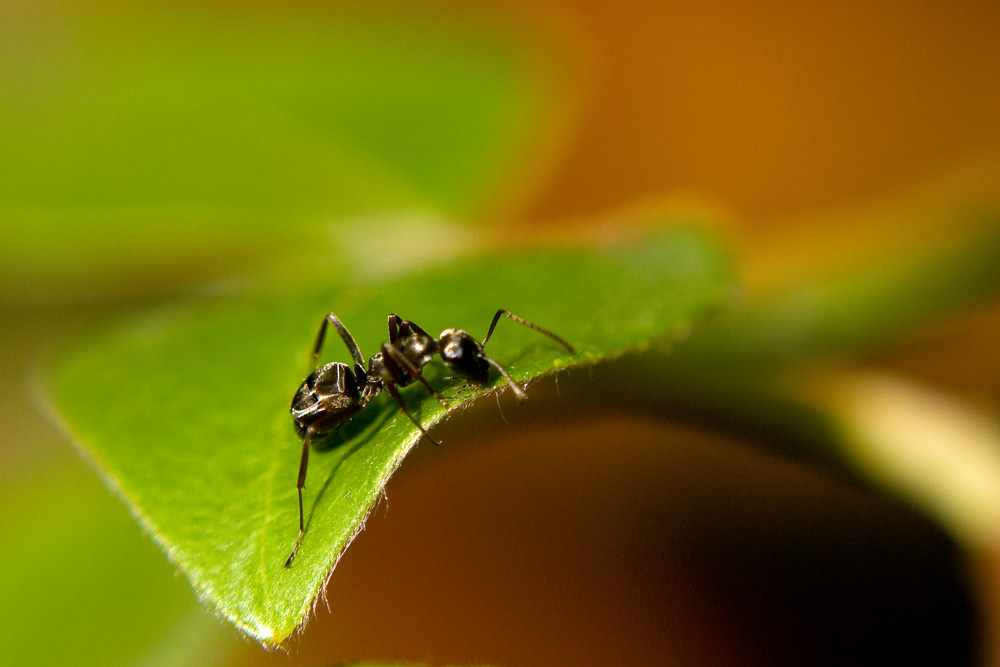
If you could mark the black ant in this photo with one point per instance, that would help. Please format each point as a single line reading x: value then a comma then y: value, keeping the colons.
x: 335, y: 392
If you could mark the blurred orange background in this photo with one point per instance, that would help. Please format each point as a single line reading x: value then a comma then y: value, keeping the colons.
x: 773, y: 108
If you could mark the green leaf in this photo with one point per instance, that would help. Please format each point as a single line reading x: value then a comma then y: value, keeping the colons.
x: 76, y: 573
x: 856, y: 309
x: 791, y: 369
x: 734, y: 373
x: 185, y: 408
x: 152, y: 140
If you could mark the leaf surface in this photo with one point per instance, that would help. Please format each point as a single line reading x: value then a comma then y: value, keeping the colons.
x: 185, y: 408
x: 76, y: 572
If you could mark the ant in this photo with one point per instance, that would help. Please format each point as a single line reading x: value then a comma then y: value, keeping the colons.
x: 335, y: 392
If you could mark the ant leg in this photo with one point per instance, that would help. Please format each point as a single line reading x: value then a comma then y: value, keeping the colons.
x: 417, y: 330
x: 400, y: 328
x: 395, y: 326
x: 348, y: 339
x: 303, y: 466
x: 391, y: 388
x: 392, y: 352
x: 530, y: 325
x: 518, y: 392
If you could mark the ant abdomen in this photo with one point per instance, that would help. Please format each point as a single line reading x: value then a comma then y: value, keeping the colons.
x: 328, y: 397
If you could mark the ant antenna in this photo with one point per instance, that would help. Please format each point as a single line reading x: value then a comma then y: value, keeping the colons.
x: 530, y: 325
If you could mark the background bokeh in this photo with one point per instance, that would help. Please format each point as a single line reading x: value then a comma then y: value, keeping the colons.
x: 773, y: 109
x: 824, y: 132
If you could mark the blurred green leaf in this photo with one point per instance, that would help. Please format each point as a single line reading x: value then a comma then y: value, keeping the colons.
x: 783, y: 370
x: 79, y: 584
x: 151, y: 140
x: 853, y: 310
x: 185, y: 408
x: 734, y: 372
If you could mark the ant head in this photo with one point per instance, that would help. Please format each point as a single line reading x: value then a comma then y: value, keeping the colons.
x: 463, y: 354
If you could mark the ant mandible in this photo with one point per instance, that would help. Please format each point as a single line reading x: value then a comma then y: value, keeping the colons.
x: 335, y: 392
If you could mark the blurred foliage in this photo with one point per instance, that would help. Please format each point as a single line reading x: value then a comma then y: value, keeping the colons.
x: 146, y: 144
x: 80, y: 584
